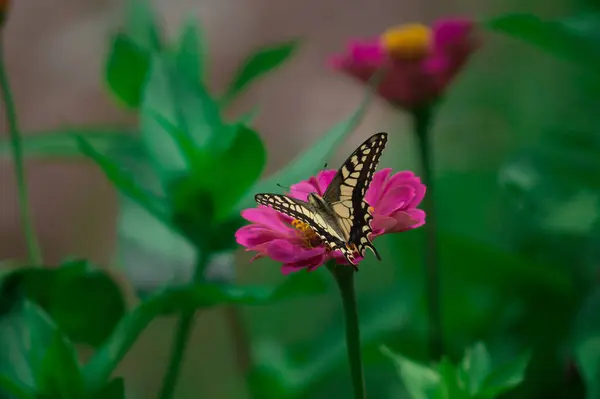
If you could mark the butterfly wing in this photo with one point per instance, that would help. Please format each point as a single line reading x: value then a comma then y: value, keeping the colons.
x: 306, y: 213
x: 347, y: 191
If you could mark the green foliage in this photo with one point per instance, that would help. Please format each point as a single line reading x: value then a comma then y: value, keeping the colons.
x: 115, y: 389
x: 60, y: 144
x: 130, y: 54
x: 190, y: 54
x: 175, y: 300
x: 126, y: 70
x: 474, y: 377
x: 259, y: 63
x: 84, y: 302
x: 36, y: 358
x: 312, y: 159
x: 566, y: 39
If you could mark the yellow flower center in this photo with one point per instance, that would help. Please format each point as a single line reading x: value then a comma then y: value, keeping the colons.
x: 311, y: 239
x: 407, y: 42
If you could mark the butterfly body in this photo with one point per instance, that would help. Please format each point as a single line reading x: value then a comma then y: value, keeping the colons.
x: 341, y: 217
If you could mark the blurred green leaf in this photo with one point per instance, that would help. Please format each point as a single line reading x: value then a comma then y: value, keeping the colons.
x: 505, y: 377
x: 60, y: 374
x: 231, y: 174
x: 185, y: 105
x: 14, y: 389
x: 588, y: 360
x: 85, y: 303
x: 186, y: 299
x: 61, y: 143
x: 191, y: 54
x: 123, y: 182
x: 476, y: 365
x: 586, y: 342
x: 312, y: 159
x: 262, y: 61
x: 26, y: 334
x: 421, y: 382
x: 115, y: 389
x: 126, y: 69
x: 452, y: 387
x: 554, y: 37
x: 141, y: 25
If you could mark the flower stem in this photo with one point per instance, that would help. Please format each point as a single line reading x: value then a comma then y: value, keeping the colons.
x: 182, y: 335
x: 344, y: 276
x: 33, y: 248
x: 422, y: 123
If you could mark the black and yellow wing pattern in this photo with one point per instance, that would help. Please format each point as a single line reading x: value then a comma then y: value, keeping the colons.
x: 321, y: 223
x: 347, y: 191
x: 341, y: 218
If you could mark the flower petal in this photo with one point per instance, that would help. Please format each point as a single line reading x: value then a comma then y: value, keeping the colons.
x: 383, y: 224
x: 396, y: 198
x: 324, y: 179
x: 302, y: 189
x: 266, y: 217
x: 310, y: 264
x: 407, y: 220
x: 253, y: 235
x: 376, y: 187
x: 286, y: 251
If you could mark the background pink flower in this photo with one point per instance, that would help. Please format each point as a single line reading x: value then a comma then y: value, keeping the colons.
x: 419, y: 62
x: 295, y: 245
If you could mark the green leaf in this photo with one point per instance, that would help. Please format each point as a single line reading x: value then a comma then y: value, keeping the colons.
x: 26, y: 333
x: 191, y: 53
x: 123, y: 182
x: 61, y: 143
x: 588, y: 360
x: 185, y: 105
x: 262, y: 61
x: 421, y: 382
x: 115, y: 389
x: 234, y: 172
x: 14, y: 389
x: 126, y: 69
x: 60, y: 375
x: 554, y: 37
x: 186, y: 299
x: 505, y: 377
x: 311, y: 160
x: 84, y: 302
x: 451, y: 387
x: 586, y: 342
x: 476, y: 366
x: 141, y: 25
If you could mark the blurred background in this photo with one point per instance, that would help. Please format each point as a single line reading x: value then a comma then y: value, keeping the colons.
x: 517, y: 167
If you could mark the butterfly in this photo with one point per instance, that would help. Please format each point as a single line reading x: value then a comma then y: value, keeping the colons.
x: 341, y: 217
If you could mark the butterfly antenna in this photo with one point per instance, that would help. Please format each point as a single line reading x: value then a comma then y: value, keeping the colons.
x: 284, y: 187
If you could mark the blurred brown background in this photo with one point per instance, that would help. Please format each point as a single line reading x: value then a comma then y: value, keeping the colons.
x: 55, y: 51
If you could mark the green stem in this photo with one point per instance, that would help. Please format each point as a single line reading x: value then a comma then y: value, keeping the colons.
x: 422, y: 123
x: 182, y: 335
x: 344, y: 276
x: 33, y: 248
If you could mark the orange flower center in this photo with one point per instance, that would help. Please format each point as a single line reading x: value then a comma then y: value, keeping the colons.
x: 310, y: 238
x: 408, y: 42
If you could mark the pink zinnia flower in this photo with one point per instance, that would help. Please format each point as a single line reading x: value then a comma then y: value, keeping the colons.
x: 418, y: 62
x: 291, y: 242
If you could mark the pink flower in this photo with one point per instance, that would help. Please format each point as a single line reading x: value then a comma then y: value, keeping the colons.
x: 419, y: 62
x: 393, y: 198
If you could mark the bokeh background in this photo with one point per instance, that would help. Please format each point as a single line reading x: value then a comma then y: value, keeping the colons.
x: 517, y: 168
